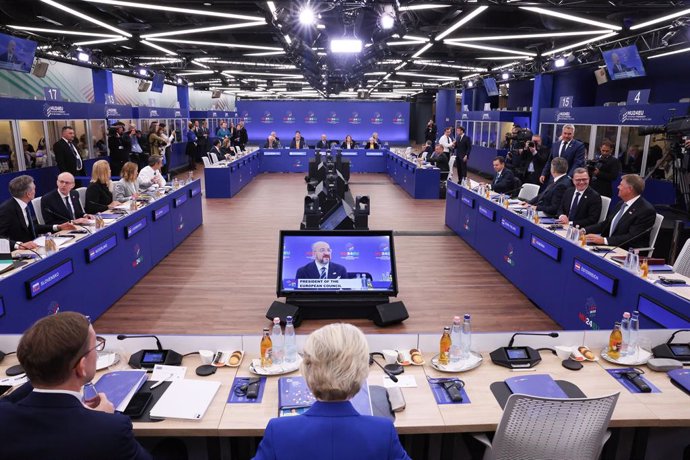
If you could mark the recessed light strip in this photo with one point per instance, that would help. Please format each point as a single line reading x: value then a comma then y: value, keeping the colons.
x: 171, y: 9
x: 668, y: 53
x: 422, y: 50
x: 661, y: 19
x: 424, y: 6
x: 78, y: 14
x: 103, y: 40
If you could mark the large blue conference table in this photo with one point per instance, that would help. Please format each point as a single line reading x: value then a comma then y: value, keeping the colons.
x: 92, y: 273
x: 227, y: 180
x: 576, y: 287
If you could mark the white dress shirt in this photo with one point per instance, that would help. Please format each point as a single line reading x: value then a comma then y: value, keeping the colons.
x: 446, y: 142
x: 148, y: 177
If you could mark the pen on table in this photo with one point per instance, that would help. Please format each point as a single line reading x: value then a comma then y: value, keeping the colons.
x: 160, y: 382
x: 529, y: 369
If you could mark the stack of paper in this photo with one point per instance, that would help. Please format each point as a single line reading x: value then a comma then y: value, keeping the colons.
x: 186, y: 399
x: 120, y: 386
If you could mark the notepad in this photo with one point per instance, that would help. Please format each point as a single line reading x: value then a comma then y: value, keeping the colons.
x: 120, y: 386
x: 294, y: 397
x: 186, y: 399
x: 535, y: 385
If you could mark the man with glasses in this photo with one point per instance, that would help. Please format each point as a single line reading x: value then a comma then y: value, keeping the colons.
x: 48, y: 418
x: 62, y: 204
x: 581, y: 205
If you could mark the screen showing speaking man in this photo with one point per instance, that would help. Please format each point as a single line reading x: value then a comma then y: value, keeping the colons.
x: 16, y: 53
x: 341, y: 263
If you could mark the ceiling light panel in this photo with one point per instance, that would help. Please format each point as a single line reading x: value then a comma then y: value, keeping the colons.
x: 490, y: 48
x: 464, y: 20
x: 570, y: 17
x: 78, y: 14
x: 206, y: 29
x: 64, y: 32
x: 171, y: 9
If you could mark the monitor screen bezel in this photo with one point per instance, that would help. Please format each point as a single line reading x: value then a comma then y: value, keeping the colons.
x: 324, y: 234
x: 606, y: 55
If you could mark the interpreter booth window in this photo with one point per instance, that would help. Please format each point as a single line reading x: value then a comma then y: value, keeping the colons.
x: 609, y: 133
x: 33, y: 137
x: 547, y: 131
x: 493, y: 135
x: 8, y: 153
x: 486, y: 126
x: 469, y: 130
x: 631, y: 148
x: 81, y: 138
x: 180, y: 127
x: 505, y: 127
x: 99, y: 144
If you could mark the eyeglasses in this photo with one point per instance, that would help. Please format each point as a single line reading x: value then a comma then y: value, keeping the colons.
x: 100, y: 346
x: 582, y: 180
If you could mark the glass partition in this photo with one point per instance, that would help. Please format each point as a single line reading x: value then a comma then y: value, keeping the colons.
x: 605, y: 132
x: 493, y: 135
x: 8, y: 156
x: 33, y: 143
x: 99, y: 140
x: 547, y: 131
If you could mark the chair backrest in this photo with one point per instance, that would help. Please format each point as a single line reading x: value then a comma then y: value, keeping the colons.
x: 451, y: 163
x: 533, y: 427
x: 408, y: 151
x: 207, y: 162
x: 528, y: 191
x: 655, y: 232
x: 82, y: 196
x: 605, y: 203
x: 214, y: 157
x: 517, y: 184
x: 682, y: 264
x: 36, y: 202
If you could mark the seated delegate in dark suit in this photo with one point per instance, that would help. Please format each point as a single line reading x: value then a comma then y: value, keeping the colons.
x: 335, y: 363
x: 18, y: 221
x: 323, y: 143
x: 549, y: 200
x: 504, y: 181
x: 348, y: 143
x: 298, y: 142
x: 51, y: 422
x: 215, y: 149
x: 571, y: 149
x: 631, y: 220
x: 99, y: 198
x: 606, y: 170
x: 581, y: 205
x: 322, y: 267
x: 62, y: 204
x: 66, y: 153
x: 439, y: 158
x: 272, y: 143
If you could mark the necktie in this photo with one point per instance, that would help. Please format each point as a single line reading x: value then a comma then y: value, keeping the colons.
x: 323, y: 273
x: 617, y: 218
x: 70, y: 214
x: 497, y: 177
x: 573, y: 207
x: 564, y: 146
x: 30, y: 217
x: 76, y: 154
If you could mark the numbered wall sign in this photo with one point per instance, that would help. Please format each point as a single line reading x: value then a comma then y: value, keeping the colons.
x: 52, y: 94
x: 565, y: 102
x: 638, y: 97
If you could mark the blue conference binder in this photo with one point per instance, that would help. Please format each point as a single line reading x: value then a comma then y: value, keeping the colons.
x: 535, y: 385
x: 681, y: 377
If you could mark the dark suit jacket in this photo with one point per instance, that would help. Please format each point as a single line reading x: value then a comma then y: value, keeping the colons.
x: 549, y: 201
x: 504, y: 183
x: 351, y: 146
x: 276, y: 145
x: 463, y: 147
x: 67, y: 430
x: 333, y: 430
x: 310, y: 271
x: 52, y: 201
x: 636, y: 220
x: 609, y: 170
x: 370, y: 146
x: 119, y: 153
x: 574, y: 154
x: 215, y: 150
x: 98, y: 197
x: 241, y: 137
x: 588, y: 209
x: 323, y: 145
x: 66, y: 159
x: 302, y: 145
x: 13, y: 226
x: 439, y: 160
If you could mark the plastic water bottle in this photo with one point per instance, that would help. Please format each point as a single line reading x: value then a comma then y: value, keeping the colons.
x: 628, y: 260
x: 569, y: 231
x: 625, y: 330
x: 277, y: 341
x: 634, y: 333
x: 466, y: 337
x: 456, y: 340
x: 363, y: 281
x: 290, y: 341
x: 190, y: 177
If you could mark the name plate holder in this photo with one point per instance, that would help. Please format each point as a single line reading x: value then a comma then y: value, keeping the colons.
x: 488, y: 213
x: 135, y: 228
x: 467, y: 201
x: 160, y: 212
x: 194, y: 192
x: 601, y: 280
x: 511, y: 227
x: 298, y: 154
x: 180, y: 200
x: 272, y: 153
x: 546, y: 248
x: 49, y: 278
x: 97, y: 250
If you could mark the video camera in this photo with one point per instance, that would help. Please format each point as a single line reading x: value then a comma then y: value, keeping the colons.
x: 678, y: 126
x: 522, y: 135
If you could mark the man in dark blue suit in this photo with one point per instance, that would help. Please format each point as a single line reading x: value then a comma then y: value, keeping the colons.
x: 322, y: 267
x: 504, y: 180
x: 549, y: 201
x: 581, y: 205
x: 570, y: 149
x: 51, y: 420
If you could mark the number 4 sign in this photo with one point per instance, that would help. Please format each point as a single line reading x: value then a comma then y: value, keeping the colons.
x: 638, y: 97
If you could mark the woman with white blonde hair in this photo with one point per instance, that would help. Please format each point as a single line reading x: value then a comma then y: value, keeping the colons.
x: 335, y: 365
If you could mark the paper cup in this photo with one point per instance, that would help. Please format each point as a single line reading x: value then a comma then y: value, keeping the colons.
x: 390, y: 356
x: 206, y: 356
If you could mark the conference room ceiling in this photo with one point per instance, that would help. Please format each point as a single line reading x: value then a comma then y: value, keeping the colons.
x: 263, y: 49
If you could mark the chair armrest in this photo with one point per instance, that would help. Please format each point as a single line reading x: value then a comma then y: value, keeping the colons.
x: 484, y: 439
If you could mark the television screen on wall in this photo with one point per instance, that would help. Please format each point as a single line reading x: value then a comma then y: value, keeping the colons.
x: 623, y: 63
x: 16, y: 53
x: 158, y: 82
x: 490, y: 85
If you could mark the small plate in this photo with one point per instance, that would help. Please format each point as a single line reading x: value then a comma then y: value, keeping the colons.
x: 639, y: 358
x: 106, y: 359
x: 255, y: 367
x: 241, y: 352
x: 475, y: 360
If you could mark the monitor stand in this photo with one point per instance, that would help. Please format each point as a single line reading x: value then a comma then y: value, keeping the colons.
x: 337, y: 307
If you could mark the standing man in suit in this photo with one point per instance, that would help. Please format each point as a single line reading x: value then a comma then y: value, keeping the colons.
x: 321, y: 267
x: 462, y: 147
x: 66, y: 153
x: 534, y: 157
x: 504, y: 180
x: 241, y: 137
x: 581, y: 205
x: 62, y: 204
x: 569, y: 148
x: 17, y: 217
x: 632, y: 219
x: 446, y: 141
x: 119, y: 153
x: 59, y: 354
x: 203, y: 139
x: 323, y: 143
x: 607, y: 169
x: 549, y: 201
x: 618, y: 66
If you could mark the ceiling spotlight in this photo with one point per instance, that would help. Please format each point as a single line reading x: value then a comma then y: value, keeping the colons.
x: 179, y: 81
x: 346, y: 45
x: 560, y: 62
x: 83, y: 57
x: 387, y: 21
x: 306, y: 16
x: 668, y: 36
x: 470, y: 84
x: 143, y: 72
x: 505, y: 75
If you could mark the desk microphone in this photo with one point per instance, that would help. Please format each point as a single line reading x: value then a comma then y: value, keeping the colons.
x: 147, y: 359
x: 385, y: 371
x: 67, y: 220
x: 626, y: 241
x: 549, y: 334
x: 670, y: 340
x: 123, y: 337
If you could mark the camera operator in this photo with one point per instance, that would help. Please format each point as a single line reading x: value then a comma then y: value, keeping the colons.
x: 605, y: 170
x: 529, y: 161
